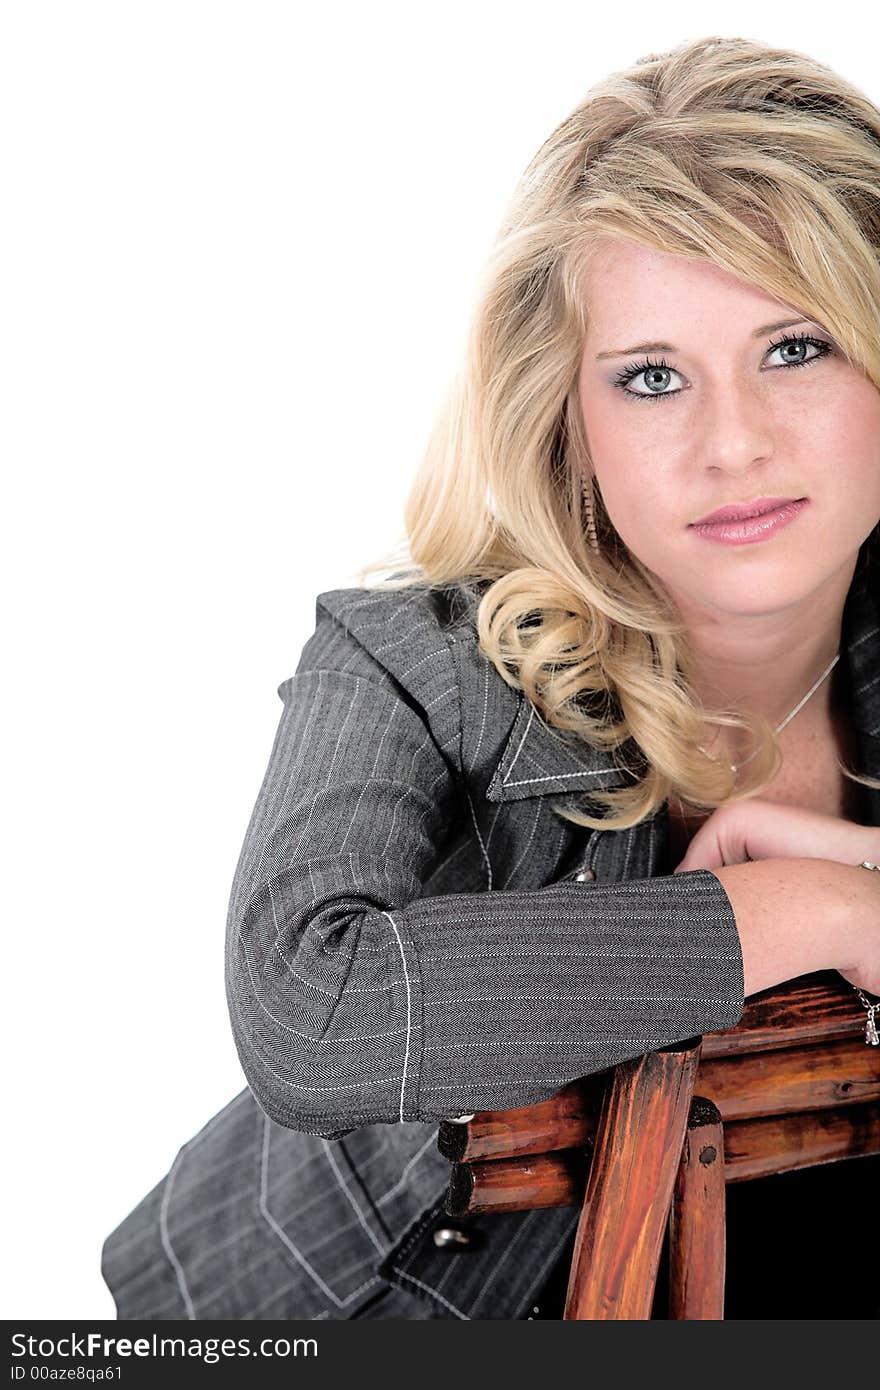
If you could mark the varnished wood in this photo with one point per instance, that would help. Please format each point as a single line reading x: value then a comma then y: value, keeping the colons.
x: 811, y: 1008
x: 792, y: 1085
x: 744, y: 1086
x: 696, y: 1219
x: 780, y: 1144
x: 752, y: 1149
x: 518, y: 1184
x: 566, y: 1119
x: 638, y: 1143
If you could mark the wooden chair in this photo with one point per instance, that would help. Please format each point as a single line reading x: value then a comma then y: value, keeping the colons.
x: 647, y: 1147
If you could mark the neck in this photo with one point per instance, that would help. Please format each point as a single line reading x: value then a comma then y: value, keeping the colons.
x: 767, y: 662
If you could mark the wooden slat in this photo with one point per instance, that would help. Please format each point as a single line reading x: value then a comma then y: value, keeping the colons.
x: 518, y: 1184
x: 565, y: 1120
x: 809, y: 1009
x: 501, y: 1184
x: 638, y: 1144
x: 818, y: 1077
x: 756, y: 1148
x: 696, y: 1220
x: 752, y: 1149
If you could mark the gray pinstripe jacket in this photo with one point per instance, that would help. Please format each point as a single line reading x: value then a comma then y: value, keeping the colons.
x: 407, y: 940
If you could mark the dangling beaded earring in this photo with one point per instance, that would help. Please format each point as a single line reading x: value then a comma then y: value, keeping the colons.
x: 592, y: 536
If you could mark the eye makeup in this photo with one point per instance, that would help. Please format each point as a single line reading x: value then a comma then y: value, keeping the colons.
x: 636, y: 369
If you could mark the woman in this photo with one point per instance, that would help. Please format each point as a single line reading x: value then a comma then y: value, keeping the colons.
x: 588, y: 770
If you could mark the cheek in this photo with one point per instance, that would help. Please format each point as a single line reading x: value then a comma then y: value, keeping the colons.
x: 611, y: 441
x: 859, y: 438
x: 640, y: 509
x: 844, y: 449
x: 628, y: 474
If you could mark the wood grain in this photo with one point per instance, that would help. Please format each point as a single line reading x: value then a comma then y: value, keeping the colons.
x: 696, y: 1220
x: 638, y: 1144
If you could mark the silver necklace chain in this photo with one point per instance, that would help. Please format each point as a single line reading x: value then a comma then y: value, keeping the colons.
x: 735, y: 767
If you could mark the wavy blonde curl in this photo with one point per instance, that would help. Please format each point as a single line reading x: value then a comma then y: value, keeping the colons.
x: 758, y: 159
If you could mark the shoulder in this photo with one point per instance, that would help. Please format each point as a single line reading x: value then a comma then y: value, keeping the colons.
x: 405, y: 639
x: 447, y: 610
x: 412, y: 608
x: 391, y: 624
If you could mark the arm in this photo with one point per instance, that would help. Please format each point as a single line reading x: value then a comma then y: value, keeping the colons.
x: 804, y: 903
x: 800, y: 915
x: 354, y: 1000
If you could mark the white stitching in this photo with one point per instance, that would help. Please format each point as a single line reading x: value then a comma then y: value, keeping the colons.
x: 340, y: 1178
x: 483, y: 720
x: 560, y: 776
x: 536, y: 816
x: 542, y: 1273
x: 521, y: 742
x: 166, y: 1197
x: 864, y: 637
x: 462, y: 1088
x: 285, y: 1238
x: 309, y: 1037
x: 584, y: 955
x: 401, y: 1182
x: 487, y: 861
x: 536, y: 1042
x: 434, y: 1294
x: 504, y: 1257
x: 408, y: 1010
x: 166, y: 1242
x: 581, y: 998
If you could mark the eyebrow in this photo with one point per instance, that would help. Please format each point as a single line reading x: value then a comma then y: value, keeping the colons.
x: 667, y: 347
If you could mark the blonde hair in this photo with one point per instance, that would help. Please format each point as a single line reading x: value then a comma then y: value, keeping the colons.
x: 758, y: 159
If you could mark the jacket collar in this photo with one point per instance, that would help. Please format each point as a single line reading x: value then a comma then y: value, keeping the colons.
x: 537, y: 760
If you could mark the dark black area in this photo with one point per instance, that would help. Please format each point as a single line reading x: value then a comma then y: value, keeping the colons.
x: 799, y: 1245
x: 804, y: 1244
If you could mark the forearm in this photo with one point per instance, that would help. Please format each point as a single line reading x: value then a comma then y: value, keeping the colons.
x: 468, y: 1001
x: 796, y: 916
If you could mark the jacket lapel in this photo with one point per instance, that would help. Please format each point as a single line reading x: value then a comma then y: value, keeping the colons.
x: 538, y: 760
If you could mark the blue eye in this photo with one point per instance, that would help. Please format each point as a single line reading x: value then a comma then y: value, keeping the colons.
x: 659, y: 371
x: 642, y: 369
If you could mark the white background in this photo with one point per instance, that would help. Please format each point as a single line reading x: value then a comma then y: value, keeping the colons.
x: 240, y: 245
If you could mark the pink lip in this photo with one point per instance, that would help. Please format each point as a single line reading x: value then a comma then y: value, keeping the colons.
x: 752, y: 528
x: 737, y: 511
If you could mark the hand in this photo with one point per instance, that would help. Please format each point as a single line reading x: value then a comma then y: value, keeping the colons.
x: 759, y: 829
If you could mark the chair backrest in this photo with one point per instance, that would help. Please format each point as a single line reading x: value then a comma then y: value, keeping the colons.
x: 792, y: 1084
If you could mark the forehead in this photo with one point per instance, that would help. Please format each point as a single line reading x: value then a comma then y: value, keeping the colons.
x: 628, y: 285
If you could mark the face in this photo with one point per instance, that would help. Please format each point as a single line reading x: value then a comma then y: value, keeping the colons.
x: 717, y: 418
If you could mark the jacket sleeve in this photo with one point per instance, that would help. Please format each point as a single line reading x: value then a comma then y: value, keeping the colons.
x: 354, y: 1000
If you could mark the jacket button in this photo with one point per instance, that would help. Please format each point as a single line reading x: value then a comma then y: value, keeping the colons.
x: 585, y: 876
x: 449, y: 1237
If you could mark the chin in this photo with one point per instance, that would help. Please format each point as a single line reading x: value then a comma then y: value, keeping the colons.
x: 745, y: 597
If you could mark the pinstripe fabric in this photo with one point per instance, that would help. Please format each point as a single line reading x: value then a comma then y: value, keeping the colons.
x: 406, y: 941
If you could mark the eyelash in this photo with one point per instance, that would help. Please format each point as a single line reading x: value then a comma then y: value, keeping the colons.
x: 636, y: 368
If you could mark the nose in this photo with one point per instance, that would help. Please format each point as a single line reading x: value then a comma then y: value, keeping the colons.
x: 737, y: 432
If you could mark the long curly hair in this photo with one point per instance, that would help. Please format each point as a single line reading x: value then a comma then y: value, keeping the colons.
x: 758, y: 159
